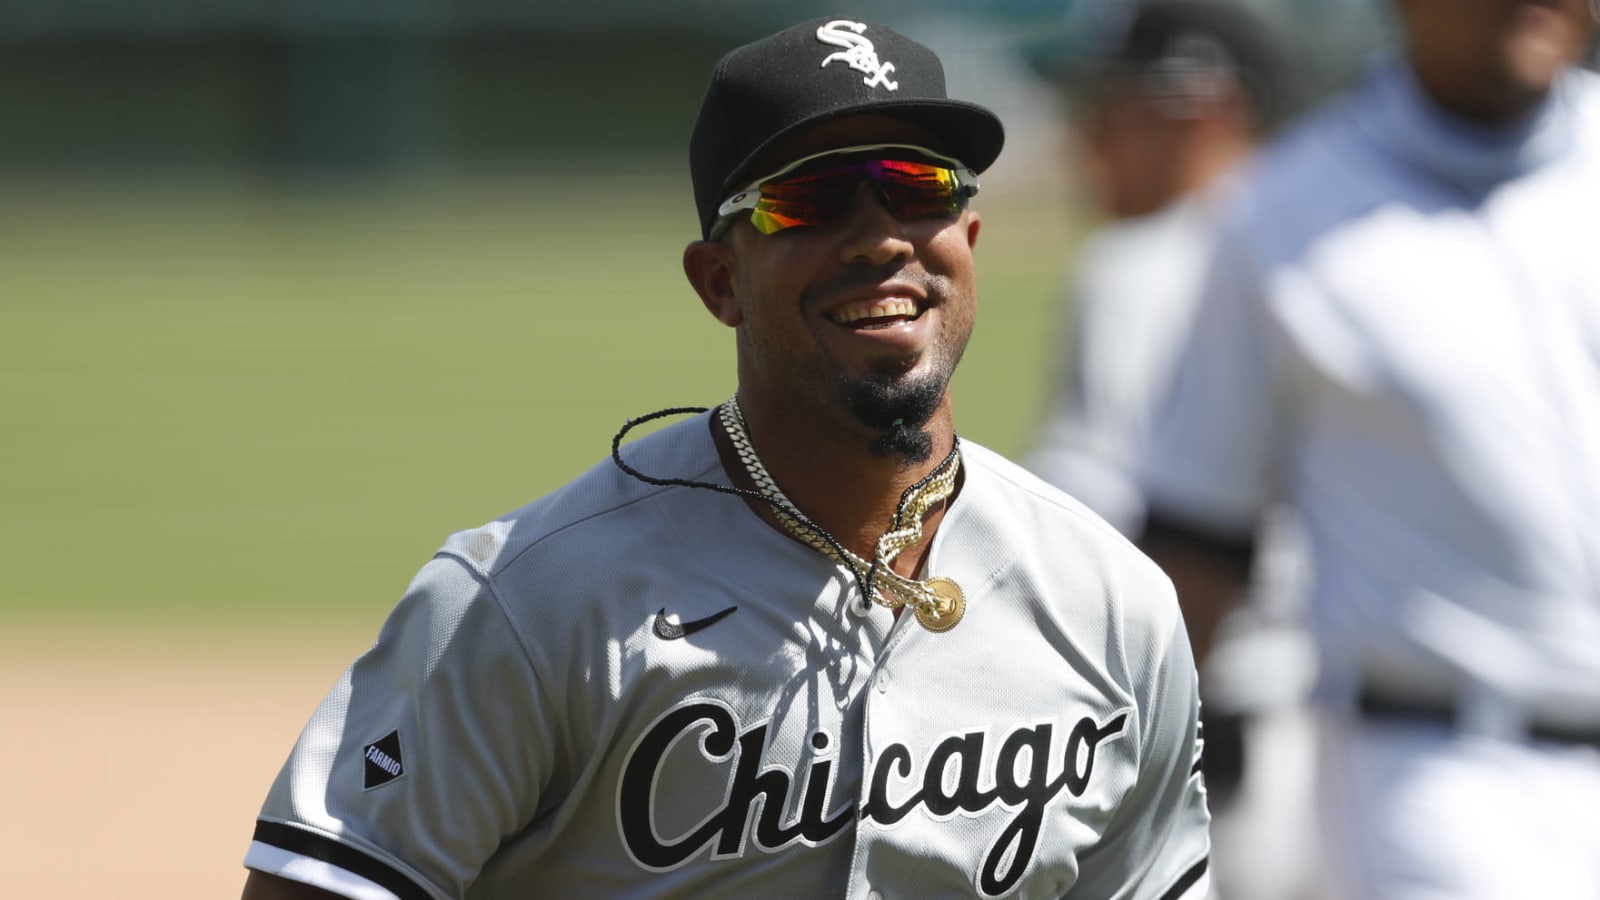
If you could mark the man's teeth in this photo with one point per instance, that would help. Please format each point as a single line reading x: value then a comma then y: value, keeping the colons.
x: 877, y: 309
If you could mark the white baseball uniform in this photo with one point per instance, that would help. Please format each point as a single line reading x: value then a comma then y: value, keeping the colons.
x: 1402, y: 335
x: 1134, y: 285
x: 1133, y: 291
x: 626, y: 690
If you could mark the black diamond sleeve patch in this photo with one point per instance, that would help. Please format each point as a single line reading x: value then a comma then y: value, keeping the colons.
x: 383, y: 760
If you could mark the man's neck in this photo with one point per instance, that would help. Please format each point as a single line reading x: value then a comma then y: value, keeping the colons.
x: 1483, y: 101
x: 838, y: 482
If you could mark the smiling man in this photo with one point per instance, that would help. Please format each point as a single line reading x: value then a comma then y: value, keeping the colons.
x: 806, y: 644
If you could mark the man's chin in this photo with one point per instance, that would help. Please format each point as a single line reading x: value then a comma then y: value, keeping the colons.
x: 883, y: 403
x: 905, y: 443
x: 899, y: 409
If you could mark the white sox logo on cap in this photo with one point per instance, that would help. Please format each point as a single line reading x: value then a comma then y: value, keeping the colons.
x: 858, y: 52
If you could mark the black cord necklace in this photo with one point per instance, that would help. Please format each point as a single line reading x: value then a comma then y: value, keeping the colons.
x: 866, y: 581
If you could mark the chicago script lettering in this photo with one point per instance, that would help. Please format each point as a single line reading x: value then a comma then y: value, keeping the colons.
x: 726, y: 827
x: 1021, y: 834
x: 958, y: 775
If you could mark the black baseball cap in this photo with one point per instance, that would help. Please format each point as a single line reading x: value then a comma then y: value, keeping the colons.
x: 824, y: 69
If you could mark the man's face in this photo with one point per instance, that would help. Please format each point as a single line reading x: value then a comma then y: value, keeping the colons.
x: 859, y: 323
x: 1128, y: 147
x: 1494, y: 59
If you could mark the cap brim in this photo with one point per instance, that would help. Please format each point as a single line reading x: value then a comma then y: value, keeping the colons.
x: 966, y: 131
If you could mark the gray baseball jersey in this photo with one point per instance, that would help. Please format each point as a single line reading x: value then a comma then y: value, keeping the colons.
x: 641, y: 691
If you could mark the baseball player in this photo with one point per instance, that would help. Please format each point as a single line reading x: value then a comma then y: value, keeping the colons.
x: 1167, y: 99
x: 1401, y: 336
x: 805, y: 644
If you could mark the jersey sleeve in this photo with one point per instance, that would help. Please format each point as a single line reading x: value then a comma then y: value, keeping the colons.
x: 1158, y: 845
x: 424, y: 757
x: 1209, y: 459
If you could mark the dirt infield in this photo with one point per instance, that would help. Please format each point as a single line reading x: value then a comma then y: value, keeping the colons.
x: 133, y: 764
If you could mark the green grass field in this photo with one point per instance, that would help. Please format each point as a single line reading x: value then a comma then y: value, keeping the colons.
x: 226, y: 403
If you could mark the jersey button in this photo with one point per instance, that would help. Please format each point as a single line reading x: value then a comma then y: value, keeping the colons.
x: 881, y: 682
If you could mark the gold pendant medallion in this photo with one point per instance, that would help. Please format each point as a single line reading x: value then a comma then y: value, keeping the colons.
x: 950, y: 605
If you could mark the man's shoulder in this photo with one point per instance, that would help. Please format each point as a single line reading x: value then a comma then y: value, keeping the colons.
x: 601, y: 504
x: 1075, y: 558
x: 1011, y: 498
x: 1314, y: 161
x: 1113, y: 271
x: 1321, y: 172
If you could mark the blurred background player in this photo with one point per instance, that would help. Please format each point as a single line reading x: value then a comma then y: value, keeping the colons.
x: 1400, y: 337
x: 1166, y: 99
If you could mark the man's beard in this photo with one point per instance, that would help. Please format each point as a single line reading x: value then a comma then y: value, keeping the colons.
x: 899, y: 409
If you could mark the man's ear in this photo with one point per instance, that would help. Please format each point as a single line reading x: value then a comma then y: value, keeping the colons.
x: 709, y: 266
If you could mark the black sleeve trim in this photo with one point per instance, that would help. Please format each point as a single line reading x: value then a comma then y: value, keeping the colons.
x: 1164, y: 529
x: 315, y: 846
x: 1188, y: 879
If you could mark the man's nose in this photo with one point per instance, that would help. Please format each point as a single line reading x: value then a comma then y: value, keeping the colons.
x: 874, y: 234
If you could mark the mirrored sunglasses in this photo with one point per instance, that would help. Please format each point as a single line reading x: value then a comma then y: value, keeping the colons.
x: 913, y: 181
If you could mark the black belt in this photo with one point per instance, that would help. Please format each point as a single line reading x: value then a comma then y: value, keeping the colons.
x: 1379, y: 704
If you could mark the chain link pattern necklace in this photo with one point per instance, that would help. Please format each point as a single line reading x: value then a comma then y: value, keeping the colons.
x: 938, y: 603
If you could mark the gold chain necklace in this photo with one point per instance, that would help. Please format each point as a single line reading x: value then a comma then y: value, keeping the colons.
x: 938, y: 603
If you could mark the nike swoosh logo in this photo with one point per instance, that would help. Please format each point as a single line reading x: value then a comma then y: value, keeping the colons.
x: 667, y: 631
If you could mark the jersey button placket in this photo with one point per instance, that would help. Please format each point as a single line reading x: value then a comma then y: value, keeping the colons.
x: 877, y: 683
